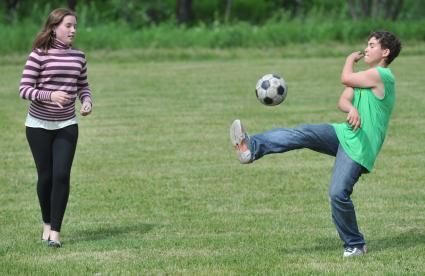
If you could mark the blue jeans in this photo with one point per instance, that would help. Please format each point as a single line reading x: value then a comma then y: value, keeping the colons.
x: 346, y: 172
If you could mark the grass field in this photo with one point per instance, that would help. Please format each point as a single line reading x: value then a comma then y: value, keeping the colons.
x: 156, y: 188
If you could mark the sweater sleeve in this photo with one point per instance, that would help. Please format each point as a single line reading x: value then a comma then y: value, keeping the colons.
x: 30, y: 75
x: 84, y: 92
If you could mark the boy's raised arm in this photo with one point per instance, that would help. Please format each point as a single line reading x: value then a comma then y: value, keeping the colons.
x: 364, y: 79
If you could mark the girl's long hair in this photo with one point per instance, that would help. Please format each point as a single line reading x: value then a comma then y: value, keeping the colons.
x: 45, y: 38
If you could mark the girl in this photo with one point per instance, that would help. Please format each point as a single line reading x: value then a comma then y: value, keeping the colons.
x: 54, y: 75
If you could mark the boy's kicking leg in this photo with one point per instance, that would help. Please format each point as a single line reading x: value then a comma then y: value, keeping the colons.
x: 321, y: 138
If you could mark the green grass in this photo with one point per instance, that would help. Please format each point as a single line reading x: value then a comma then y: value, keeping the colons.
x: 156, y: 188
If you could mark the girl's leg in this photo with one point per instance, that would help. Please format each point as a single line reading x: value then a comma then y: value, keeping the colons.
x: 64, y: 146
x: 40, y: 141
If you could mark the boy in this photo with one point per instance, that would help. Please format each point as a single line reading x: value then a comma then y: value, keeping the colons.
x: 368, y: 98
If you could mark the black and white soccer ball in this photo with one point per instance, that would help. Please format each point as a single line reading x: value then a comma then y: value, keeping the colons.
x: 271, y: 89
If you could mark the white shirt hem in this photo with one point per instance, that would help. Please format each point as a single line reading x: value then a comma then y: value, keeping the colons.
x: 50, y: 125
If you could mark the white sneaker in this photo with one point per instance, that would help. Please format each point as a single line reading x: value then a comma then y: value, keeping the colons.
x: 354, y: 251
x: 239, y: 138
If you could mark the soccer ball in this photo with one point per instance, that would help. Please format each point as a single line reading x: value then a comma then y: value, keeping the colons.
x: 271, y: 89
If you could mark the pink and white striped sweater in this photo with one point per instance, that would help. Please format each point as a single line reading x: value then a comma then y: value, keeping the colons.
x: 61, y: 69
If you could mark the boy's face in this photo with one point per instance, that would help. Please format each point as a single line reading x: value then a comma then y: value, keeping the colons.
x: 374, y: 54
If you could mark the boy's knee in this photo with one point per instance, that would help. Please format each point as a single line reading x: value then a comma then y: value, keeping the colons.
x: 303, y: 127
x: 338, y: 195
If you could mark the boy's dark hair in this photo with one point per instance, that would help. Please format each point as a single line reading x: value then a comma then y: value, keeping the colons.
x: 388, y: 41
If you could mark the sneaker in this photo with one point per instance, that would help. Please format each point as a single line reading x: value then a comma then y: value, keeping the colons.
x: 355, y: 251
x: 239, y: 139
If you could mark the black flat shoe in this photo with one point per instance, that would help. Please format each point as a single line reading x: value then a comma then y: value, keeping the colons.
x: 55, y: 244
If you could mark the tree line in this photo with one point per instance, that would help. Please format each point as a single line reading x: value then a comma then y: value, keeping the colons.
x: 139, y: 13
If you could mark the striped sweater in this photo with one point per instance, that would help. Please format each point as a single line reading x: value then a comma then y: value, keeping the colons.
x: 61, y: 69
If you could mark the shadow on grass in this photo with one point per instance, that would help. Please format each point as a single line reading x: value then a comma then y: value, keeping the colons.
x: 404, y: 240
x: 319, y: 245
x: 103, y: 231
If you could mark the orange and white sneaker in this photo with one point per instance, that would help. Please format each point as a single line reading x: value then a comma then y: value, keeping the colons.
x: 239, y: 139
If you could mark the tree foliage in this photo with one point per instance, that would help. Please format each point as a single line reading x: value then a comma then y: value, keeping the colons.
x: 141, y: 13
x: 387, y: 9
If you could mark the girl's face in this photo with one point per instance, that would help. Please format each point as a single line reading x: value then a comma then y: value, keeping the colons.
x: 374, y: 54
x: 67, y: 29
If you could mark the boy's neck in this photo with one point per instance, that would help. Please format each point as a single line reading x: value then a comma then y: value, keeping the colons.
x: 382, y: 63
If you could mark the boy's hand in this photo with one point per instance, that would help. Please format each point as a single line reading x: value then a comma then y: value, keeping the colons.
x: 353, y: 118
x: 356, y: 56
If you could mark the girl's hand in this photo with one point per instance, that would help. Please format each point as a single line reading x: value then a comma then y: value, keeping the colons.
x: 60, y: 98
x: 85, y: 108
x: 353, y: 118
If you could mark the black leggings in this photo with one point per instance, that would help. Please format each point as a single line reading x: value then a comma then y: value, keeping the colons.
x: 53, y: 152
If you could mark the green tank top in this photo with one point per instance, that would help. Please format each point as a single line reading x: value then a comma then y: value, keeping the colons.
x: 364, y: 145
